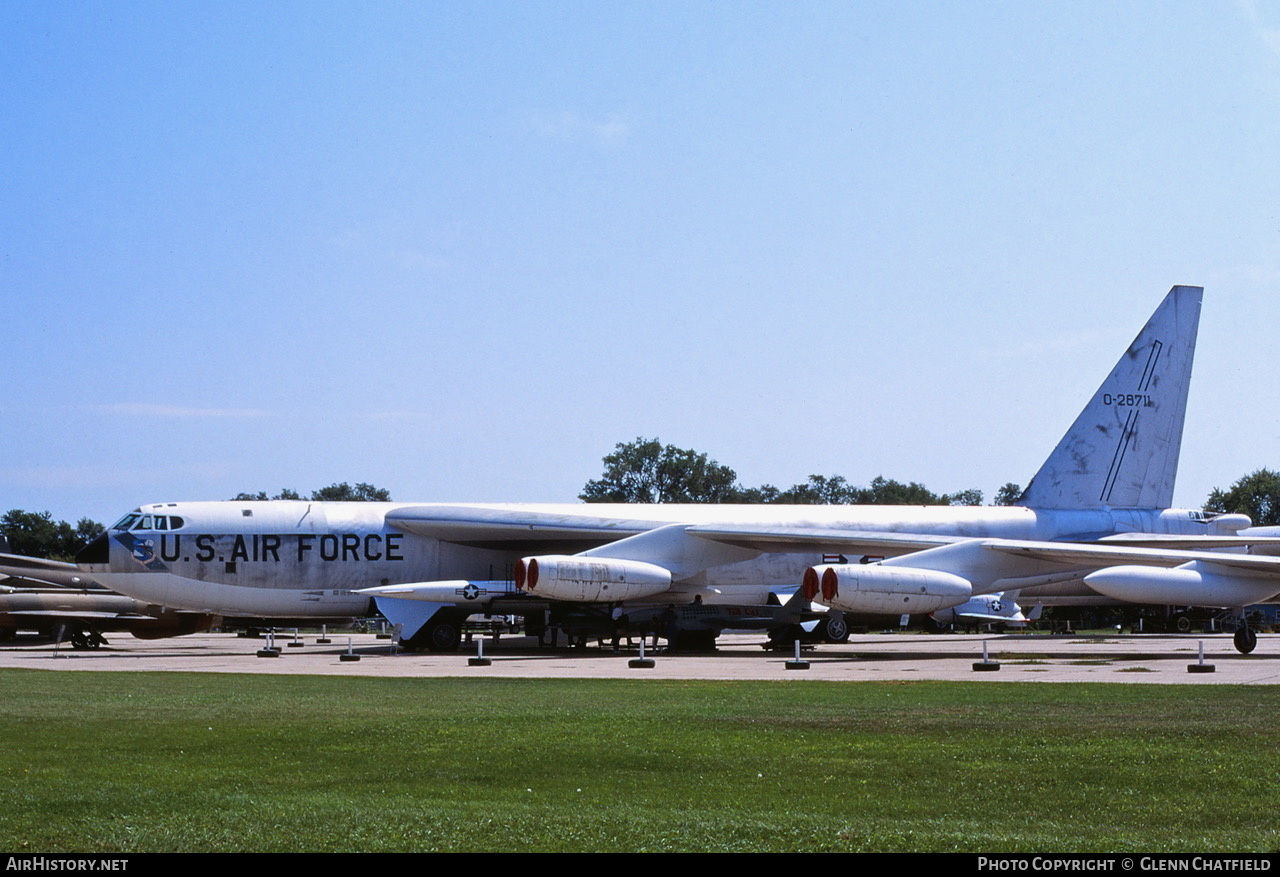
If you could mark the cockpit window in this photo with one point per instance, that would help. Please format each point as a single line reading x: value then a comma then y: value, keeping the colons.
x: 135, y: 521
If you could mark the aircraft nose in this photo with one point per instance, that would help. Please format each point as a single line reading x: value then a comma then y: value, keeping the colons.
x: 96, y: 552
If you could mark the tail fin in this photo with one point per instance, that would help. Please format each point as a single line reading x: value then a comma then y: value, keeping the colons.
x: 1122, y: 451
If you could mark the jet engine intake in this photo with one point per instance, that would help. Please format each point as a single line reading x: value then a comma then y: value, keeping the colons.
x: 590, y: 579
x: 888, y: 590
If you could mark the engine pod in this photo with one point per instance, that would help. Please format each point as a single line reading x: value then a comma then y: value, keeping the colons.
x: 590, y: 579
x: 890, y: 590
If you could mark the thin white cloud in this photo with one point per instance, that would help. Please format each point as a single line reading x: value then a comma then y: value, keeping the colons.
x: 398, y: 415
x: 109, y: 476
x: 569, y: 126
x: 149, y: 409
x: 1269, y: 34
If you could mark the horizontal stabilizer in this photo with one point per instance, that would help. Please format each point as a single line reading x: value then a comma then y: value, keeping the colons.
x: 1190, y: 543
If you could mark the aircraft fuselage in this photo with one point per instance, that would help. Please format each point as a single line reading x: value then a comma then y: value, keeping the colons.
x: 307, y: 559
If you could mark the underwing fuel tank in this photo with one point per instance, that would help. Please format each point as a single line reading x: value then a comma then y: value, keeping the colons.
x: 590, y: 579
x: 889, y: 590
x: 1193, y: 584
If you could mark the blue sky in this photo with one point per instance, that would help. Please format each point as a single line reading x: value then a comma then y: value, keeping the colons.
x: 460, y: 250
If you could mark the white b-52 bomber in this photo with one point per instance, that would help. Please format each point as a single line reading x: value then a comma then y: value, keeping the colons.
x: 1096, y: 511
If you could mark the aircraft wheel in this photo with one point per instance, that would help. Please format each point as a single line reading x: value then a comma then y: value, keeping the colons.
x: 835, y: 630
x: 444, y: 635
x: 1245, y: 640
x: 1182, y: 623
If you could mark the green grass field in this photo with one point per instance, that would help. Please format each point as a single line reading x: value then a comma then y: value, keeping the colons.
x: 136, y: 762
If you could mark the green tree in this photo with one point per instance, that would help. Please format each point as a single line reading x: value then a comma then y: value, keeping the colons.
x: 646, y: 470
x: 887, y: 491
x: 1256, y: 495
x: 344, y: 492
x: 37, y: 534
x: 261, y: 495
x: 972, y: 496
x: 1009, y: 494
x: 758, y: 495
x: 836, y: 490
x: 819, y: 490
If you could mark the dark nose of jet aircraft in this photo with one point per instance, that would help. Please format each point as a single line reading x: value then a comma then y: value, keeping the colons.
x: 96, y: 552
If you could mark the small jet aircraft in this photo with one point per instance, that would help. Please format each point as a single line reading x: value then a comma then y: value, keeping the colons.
x: 82, y: 617
x: 58, y: 600
x: 999, y: 610
x: 1096, y: 511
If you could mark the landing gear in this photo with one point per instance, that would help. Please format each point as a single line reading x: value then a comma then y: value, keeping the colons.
x: 834, y: 629
x: 1245, y: 640
x: 443, y: 633
x: 87, y: 639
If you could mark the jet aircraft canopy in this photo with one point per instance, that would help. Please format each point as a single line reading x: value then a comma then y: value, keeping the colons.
x: 137, y: 521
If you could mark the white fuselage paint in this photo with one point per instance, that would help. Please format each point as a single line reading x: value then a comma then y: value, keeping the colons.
x: 306, y: 559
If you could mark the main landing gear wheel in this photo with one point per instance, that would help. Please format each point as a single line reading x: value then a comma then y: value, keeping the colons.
x: 441, y: 634
x: 1245, y: 640
x: 835, y: 630
x: 444, y: 637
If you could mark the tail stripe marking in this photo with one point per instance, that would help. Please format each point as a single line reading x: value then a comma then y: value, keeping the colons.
x: 1145, y: 382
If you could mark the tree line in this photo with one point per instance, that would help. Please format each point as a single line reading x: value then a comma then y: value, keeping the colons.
x: 646, y: 470
x: 344, y: 492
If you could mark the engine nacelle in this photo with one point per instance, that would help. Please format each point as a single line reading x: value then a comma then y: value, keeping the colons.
x: 1188, y: 585
x: 888, y: 590
x: 590, y: 579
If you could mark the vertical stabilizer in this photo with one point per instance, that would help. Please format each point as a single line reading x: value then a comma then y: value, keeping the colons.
x: 1122, y: 451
